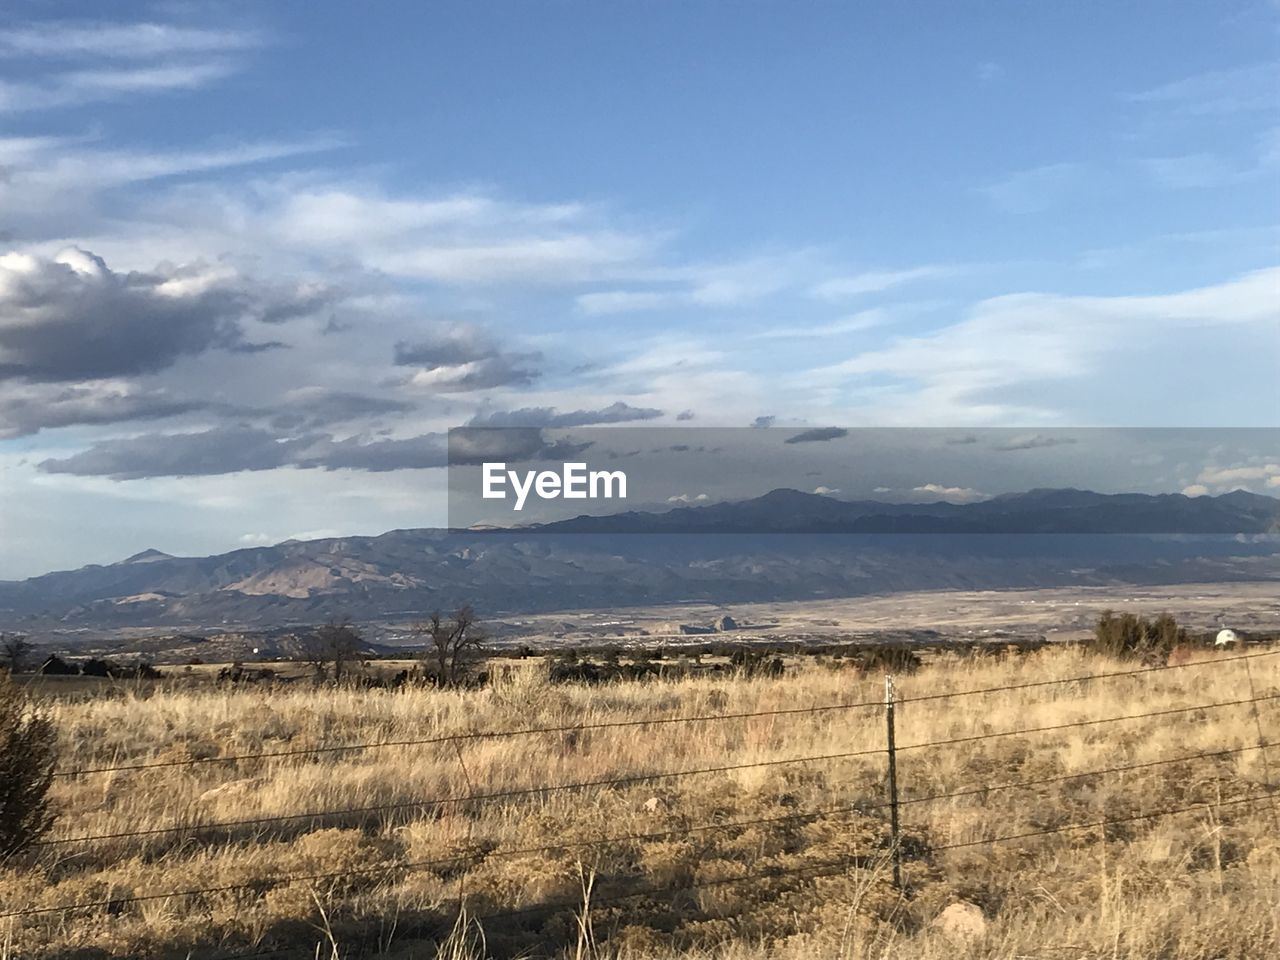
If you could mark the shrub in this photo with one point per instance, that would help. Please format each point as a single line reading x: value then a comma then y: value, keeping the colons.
x: 16, y: 650
x: 94, y: 667
x: 751, y: 663
x: 886, y: 658
x: 28, y: 745
x: 1131, y: 637
x: 584, y: 671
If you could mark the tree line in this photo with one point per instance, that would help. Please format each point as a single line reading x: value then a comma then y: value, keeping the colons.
x: 446, y: 645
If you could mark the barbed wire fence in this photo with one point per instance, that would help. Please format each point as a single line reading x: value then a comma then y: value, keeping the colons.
x: 891, y: 804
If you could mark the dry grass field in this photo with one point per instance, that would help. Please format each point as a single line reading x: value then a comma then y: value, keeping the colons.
x: 650, y: 868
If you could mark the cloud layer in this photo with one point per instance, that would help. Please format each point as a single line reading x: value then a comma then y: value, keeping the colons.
x: 224, y: 450
x: 71, y: 318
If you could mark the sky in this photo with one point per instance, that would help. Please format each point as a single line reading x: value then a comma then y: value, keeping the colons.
x: 256, y: 258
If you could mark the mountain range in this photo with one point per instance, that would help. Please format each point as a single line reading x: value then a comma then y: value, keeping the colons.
x: 1041, y: 511
x: 785, y: 545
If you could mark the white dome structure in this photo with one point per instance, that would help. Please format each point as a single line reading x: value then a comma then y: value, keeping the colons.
x: 1226, y: 638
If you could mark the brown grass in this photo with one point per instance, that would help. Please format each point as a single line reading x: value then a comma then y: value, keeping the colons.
x: 1196, y: 885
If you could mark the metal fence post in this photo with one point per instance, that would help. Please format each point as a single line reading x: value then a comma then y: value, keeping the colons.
x: 889, y: 699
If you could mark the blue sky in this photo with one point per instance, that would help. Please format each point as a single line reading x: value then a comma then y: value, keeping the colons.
x: 257, y: 257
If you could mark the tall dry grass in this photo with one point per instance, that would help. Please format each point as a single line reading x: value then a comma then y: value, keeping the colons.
x: 1196, y: 885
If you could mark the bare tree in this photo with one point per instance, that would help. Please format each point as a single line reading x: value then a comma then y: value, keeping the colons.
x: 449, y: 643
x: 16, y: 649
x: 336, y: 643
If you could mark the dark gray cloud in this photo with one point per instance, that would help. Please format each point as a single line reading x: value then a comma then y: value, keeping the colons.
x: 1033, y: 441
x: 32, y: 408
x: 455, y: 358
x: 280, y: 303
x: 379, y: 456
x: 234, y: 449
x: 765, y: 421
x: 27, y: 408
x: 208, y: 453
x: 263, y: 347
x: 685, y: 415
x: 73, y: 318
x: 311, y: 407
x: 818, y: 435
x: 473, y: 445
x: 449, y: 345
x: 618, y: 412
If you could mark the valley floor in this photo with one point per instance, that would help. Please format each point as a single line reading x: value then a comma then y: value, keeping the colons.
x: 1058, y: 613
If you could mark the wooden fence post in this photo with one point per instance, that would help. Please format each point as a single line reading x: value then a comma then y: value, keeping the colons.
x: 889, y: 699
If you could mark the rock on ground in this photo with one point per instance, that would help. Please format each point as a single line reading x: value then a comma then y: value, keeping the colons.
x: 962, y: 921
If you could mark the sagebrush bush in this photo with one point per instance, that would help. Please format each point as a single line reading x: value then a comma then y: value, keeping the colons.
x: 886, y: 658
x: 28, y: 748
x: 1129, y: 636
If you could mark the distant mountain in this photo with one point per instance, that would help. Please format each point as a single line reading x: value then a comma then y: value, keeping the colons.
x: 1033, y: 512
x: 147, y: 556
x: 775, y: 547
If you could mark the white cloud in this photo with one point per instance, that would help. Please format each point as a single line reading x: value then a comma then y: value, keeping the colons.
x: 731, y: 284
x: 531, y: 259
x: 480, y: 374
x: 319, y: 533
x: 989, y: 71
x: 856, y: 323
x: 120, y: 40
x: 1224, y: 479
x: 663, y: 355
x: 1200, y: 170
x: 1037, y: 189
x: 950, y: 494
x: 80, y: 87
x: 339, y: 212
x: 623, y: 301
x: 875, y: 281
x: 1192, y: 170
x: 964, y: 371
x: 1235, y: 90
x: 746, y: 281
x: 465, y: 238
x: 60, y: 189
x: 74, y: 63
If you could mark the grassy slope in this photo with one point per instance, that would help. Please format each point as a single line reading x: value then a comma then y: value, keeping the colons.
x: 1196, y: 885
